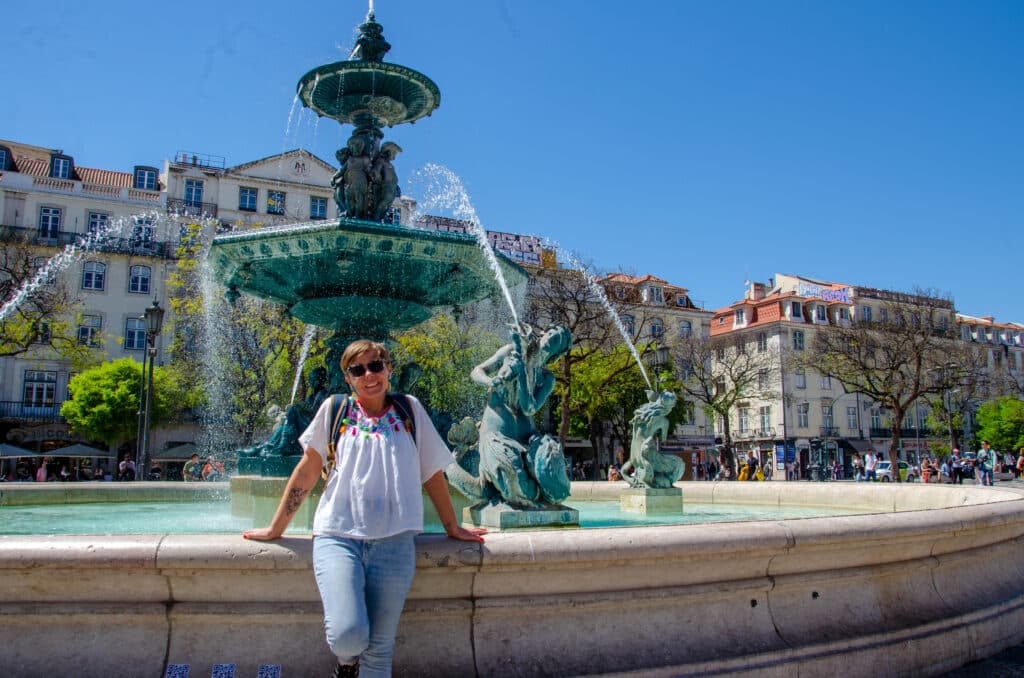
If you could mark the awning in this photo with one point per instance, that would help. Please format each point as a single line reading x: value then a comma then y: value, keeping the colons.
x: 78, y: 450
x: 182, y: 452
x: 858, y: 445
x: 13, y: 452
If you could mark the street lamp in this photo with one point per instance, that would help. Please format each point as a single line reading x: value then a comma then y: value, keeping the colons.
x: 153, y: 321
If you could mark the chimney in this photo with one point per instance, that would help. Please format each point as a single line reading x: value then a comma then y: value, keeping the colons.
x: 988, y: 318
x: 756, y: 291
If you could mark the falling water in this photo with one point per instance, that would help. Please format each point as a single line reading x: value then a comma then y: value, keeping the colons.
x: 444, y: 190
x: 598, y: 292
x: 307, y: 341
x: 215, y: 353
x: 71, y: 253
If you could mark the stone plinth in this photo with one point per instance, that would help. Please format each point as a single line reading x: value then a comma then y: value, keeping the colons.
x: 647, y: 500
x: 504, y: 517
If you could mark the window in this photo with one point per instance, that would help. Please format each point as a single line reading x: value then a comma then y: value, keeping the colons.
x: 883, y: 315
x: 744, y: 420
x: 1011, y: 361
x: 739, y: 316
x: 142, y: 232
x: 89, y: 327
x: 657, y: 328
x: 60, y: 168
x: 3, y: 158
x: 317, y: 208
x: 798, y: 340
x: 38, y: 264
x: 876, y: 418
x: 145, y: 178
x: 685, y: 328
x: 826, y: 382
x: 275, y: 202
x: 43, y: 333
x: 247, y: 199
x: 719, y: 424
x: 98, y: 222
x: 49, y: 222
x: 135, y: 334
x: 619, y: 292
x: 94, y: 275
x: 67, y: 389
x: 654, y: 295
x: 627, y: 322
x: 193, y: 192
x: 826, y: 416
x: 844, y: 313
x: 139, y: 278
x: 922, y: 418
x: 40, y: 387
x: 796, y: 310
x: 865, y: 314
x: 762, y: 380
x: 766, y: 418
x: 801, y: 379
x: 851, y: 418
x: 681, y: 300
x: 720, y: 353
x: 762, y: 342
x: 819, y: 313
x: 802, y: 410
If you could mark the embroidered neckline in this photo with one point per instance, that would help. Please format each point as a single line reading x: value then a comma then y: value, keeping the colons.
x: 357, y: 423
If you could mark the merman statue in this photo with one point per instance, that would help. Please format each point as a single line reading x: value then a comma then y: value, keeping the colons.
x: 650, y: 467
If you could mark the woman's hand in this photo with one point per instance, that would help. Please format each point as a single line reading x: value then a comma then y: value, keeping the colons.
x: 467, y: 534
x: 261, y: 534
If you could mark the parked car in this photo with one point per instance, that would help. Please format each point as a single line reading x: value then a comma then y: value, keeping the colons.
x: 907, y: 474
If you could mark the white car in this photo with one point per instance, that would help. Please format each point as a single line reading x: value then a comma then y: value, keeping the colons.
x: 884, y: 471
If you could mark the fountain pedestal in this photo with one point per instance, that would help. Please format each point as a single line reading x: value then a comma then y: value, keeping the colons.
x: 647, y: 500
x: 500, y: 517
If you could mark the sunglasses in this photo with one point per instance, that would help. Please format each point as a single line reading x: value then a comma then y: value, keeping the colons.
x: 374, y: 366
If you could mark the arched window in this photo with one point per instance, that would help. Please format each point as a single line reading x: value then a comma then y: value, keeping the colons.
x: 685, y: 328
x: 138, y: 280
x: 657, y: 328
x: 93, y: 275
x: 628, y: 323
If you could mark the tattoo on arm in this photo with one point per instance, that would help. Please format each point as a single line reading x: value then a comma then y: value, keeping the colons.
x: 294, y: 500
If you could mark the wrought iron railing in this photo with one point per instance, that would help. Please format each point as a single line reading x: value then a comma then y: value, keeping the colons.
x: 191, y: 208
x: 19, y: 410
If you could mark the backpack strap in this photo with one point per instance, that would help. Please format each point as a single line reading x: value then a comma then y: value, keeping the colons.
x: 339, y: 411
x: 403, y: 407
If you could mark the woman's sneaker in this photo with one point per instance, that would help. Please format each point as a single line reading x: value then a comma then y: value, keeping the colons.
x: 347, y: 671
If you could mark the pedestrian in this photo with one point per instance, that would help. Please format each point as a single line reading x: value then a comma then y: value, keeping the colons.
x: 956, y: 463
x: 1019, y: 470
x: 376, y: 459
x: 192, y: 471
x: 870, y: 466
x: 985, y: 459
x: 41, y: 475
x: 126, y: 468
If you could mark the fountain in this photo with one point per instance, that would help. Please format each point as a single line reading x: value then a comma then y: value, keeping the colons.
x: 929, y: 579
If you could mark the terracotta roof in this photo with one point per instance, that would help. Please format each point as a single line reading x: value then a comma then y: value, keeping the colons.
x: 104, y: 177
x: 987, y: 321
x: 32, y: 166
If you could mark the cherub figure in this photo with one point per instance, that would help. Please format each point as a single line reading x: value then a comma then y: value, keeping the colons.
x: 385, y: 178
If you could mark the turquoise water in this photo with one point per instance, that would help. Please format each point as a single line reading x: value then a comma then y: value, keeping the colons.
x: 214, y: 517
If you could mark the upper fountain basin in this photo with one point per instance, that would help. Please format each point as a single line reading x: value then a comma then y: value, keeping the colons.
x: 350, y: 275
x: 369, y: 93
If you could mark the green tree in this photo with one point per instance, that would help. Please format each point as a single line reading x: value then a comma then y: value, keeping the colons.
x: 104, y: 402
x: 1001, y: 423
x: 447, y: 351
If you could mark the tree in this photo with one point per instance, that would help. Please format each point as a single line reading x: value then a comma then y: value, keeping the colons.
x: 894, y: 361
x: 104, y: 403
x: 1001, y: 423
x: 718, y: 373
x: 447, y: 351
x: 42, y: 321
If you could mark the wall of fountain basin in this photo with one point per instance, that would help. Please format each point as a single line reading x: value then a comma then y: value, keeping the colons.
x: 932, y: 579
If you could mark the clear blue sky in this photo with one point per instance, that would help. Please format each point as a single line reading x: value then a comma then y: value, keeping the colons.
x: 873, y: 142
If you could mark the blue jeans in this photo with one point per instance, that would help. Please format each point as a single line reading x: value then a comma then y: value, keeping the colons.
x: 363, y: 585
x: 985, y: 475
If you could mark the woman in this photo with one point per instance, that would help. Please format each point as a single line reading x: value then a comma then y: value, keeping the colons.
x: 371, y: 509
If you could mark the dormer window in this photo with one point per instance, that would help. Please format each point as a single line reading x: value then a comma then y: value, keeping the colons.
x: 681, y: 300
x: 145, y: 178
x: 654, y: 295
x: 5, y: 158
x: 619, y: 292
x: 60, y: 167
x: 739, y: 316
x: 819, y: 313
x: 796, y: 310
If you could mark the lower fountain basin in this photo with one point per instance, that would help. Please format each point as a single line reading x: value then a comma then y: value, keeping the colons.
x: 930, y: 580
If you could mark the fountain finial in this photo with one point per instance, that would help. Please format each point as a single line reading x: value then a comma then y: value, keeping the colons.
x: 370, y: 45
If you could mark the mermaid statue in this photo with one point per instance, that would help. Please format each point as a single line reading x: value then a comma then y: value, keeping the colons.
x: 504, y: 459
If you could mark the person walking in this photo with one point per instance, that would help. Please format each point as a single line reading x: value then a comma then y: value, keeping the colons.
x: 985, y: 461
x: 870, y: 466
x: 957, y: 465
x: 364, y: 554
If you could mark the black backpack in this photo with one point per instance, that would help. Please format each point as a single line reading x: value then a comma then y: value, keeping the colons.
x: 340, y: 405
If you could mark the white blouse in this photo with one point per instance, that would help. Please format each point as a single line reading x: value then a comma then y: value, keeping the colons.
x: 375, y: 490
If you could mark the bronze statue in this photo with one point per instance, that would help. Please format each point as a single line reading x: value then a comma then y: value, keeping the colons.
x: 284, y: 440
x: 650, y: 467
x: 385, y: 179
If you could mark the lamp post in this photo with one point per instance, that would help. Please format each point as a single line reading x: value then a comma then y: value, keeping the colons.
x: 154, y: 320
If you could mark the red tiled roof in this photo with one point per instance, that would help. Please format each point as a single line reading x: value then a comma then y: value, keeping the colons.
x: 32, y: 166
x: 104, y: 177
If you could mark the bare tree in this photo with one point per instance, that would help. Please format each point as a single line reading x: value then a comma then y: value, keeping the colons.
x: 721, y: 372
x: 43, y: 322
x: 896, y: 359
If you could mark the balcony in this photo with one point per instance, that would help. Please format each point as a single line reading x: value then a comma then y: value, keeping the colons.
x: 880, y: 432
x: 16, y: 410
x: 191, y: 208
x: 829, y: 431
x: 135, y: 246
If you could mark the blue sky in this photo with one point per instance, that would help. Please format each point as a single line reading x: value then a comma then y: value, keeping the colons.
x: 875, y: 143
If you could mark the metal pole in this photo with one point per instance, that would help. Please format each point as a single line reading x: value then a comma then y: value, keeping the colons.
x: 149, y: 405
x: 142, y: 410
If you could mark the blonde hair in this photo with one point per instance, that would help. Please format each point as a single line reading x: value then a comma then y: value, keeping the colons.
x: 361, y: 346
